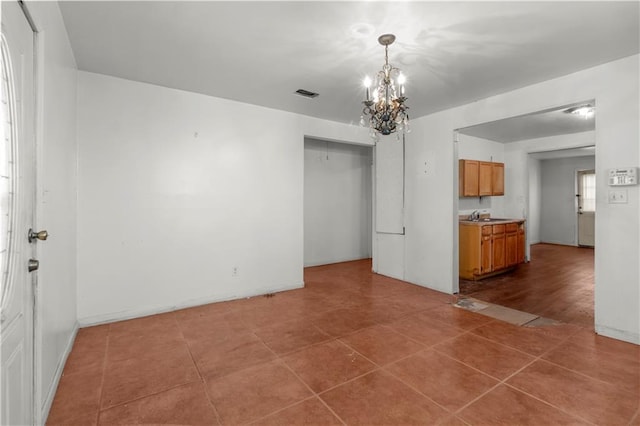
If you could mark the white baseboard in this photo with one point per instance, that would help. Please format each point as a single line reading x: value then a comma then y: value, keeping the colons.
x: 618, y: 334
x: 53, y: 386
x: 153, y: 310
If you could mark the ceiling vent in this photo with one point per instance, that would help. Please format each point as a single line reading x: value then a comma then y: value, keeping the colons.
x: 307, y: 94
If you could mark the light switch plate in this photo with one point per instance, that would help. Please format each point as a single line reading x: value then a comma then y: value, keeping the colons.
x: 618, y: 196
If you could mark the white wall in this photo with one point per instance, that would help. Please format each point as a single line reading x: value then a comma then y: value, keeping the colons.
x: 558, y: 220
x: 474, y: 148
x: 57, y: 190
x: 176, y: 189
x: 535, y: 204
x: 429, y: 255
x: 337, y: 202
x: 521, y: 198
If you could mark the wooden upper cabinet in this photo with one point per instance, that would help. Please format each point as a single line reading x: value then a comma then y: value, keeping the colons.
x: 480, y: 178
x: 484, y: 179
x: 497, y: 178
x: 468, y: 178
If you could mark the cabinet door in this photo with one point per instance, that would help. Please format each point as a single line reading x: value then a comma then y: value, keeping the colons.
x: 497, y: 178
x: 521, y: 243
x: 485, y: 254
x: 498, y: 246
x: 485, y: 178
x: 512, y: 248
x: 468, y: 178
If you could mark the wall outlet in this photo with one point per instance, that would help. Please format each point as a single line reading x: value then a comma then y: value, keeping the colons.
x: 617, y: 196
x: 234, y: 271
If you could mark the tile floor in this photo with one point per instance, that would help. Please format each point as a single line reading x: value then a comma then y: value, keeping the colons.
x: 351, y: 347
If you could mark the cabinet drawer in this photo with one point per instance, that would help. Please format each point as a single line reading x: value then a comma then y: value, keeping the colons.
x: 486, y: 230
x: 498, y: 229
x: 512, y: 227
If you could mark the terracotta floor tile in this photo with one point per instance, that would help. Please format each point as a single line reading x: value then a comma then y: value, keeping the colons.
x: 268, y: 315
x: 255, y: 392
x: 221, y: 356
x: 444, y: 380
x: 507, y: 406
x: 91, y: 338
x: 380, y: 310
x: 143, y: 325
x: 136, y: 345
x: 327, y: 364
x: 77, y: 399
x: 415, y: 302
x: 210, y: 326
x: 186, y: 405
x: 530, y: 340
x: 592, y: 341
x: 83, y: 418
x: 309, y: 412
x: 593, y: 400
x: 424, y: 329
x: 210, y: 309
x: 456, y: 317
x: 491, y: 358
x: 612, y: 367
x: 134, y: 378
x: 381, y: 344
x: 339, y: 322
x: 558, y: 330
x: 289, y: 336
x: 89, y: 350
x: 380, y: 399
x: 452, y: 421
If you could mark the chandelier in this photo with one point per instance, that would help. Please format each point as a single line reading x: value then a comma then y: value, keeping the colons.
x: 384, y: 109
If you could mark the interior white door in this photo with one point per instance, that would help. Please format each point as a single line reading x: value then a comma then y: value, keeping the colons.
x: 17, y: 192
x: 586, y: 207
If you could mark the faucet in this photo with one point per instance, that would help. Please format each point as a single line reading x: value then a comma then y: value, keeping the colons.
x: 475, y: 215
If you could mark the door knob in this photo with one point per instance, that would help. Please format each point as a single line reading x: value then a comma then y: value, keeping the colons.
x: 33, y: 265
x: 41, y: 235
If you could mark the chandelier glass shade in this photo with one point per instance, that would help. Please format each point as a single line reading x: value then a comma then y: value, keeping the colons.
x: 384, y: 109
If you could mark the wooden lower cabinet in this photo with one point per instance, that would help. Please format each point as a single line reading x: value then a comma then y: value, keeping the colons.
x: 490, y: 249
x: 511, y: 244
x: 498, y: 241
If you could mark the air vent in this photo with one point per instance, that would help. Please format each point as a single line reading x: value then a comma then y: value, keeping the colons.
x: 307, y: 94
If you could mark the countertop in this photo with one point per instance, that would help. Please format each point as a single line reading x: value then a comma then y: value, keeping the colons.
x: 489, y: 221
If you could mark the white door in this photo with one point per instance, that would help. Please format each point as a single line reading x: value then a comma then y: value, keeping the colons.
x: 586, y: 207
x: 17, y: 192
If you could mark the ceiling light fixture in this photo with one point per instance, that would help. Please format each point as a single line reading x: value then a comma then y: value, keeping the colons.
x: 584, y: 111
x: 384, y: 103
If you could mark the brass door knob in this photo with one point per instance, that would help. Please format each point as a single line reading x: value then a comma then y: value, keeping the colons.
x: 41, y: 235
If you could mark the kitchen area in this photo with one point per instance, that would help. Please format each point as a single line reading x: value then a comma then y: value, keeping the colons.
x: 518, y: 213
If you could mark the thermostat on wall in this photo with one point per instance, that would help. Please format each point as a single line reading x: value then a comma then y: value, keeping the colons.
x: 623, y: 176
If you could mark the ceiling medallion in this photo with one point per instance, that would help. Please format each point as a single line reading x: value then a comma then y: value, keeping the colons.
x: 384, y: 109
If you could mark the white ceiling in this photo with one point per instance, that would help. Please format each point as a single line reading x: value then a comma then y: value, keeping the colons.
x: 535, y: 125
x: 587, y: 151
x: 261, y: 52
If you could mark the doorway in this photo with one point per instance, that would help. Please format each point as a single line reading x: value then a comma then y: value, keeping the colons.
x: 532, y: 147
x: 337, y: 202
x: 586, y: 200
x: 17, y: 200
